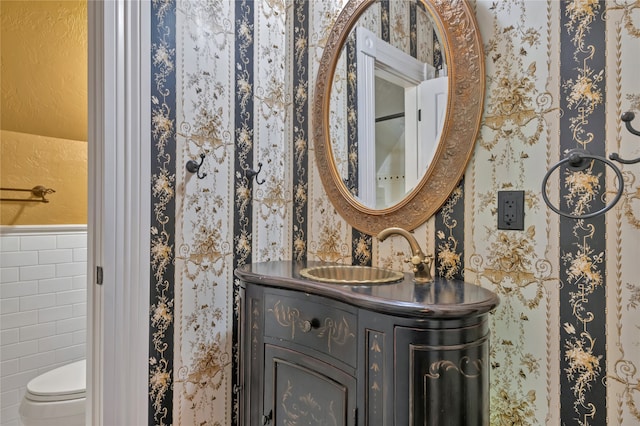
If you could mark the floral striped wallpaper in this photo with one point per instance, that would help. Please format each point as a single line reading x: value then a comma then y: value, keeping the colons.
x: 162, y: 271
x: 582, y: 257
x: 233, y: 80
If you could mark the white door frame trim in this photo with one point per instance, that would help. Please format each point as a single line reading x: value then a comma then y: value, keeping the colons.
x: 119, y: 211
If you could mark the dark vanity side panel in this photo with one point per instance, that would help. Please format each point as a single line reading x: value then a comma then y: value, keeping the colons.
x: 316, y: 323
x: 242, y: 349
x: 442, y: 375
x: 252, y: 354
x: 375, y: 375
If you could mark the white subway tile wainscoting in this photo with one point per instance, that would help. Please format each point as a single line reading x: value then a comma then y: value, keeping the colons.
x: 43, y: 306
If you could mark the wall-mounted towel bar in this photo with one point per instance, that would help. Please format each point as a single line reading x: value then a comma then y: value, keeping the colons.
x: 37, y: 191
x: 577, y: 160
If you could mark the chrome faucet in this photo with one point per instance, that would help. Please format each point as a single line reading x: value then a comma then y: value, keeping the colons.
x: 421, y: 262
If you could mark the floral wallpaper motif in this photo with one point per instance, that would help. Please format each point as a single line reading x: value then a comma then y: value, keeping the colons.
x: 329, y: 237
x: 275, y: 97
x: 163, y: 128
x: 515, y: 264
x: 236, y: 115
x: 233, y: 80
x: 204, y: 244
x: 300, y: 131
x: 583, y: 270
x: 361, y: 243
x: 449, y: 239
x: 622, y: 294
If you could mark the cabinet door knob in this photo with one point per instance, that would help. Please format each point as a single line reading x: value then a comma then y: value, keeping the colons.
x: 308, y: 325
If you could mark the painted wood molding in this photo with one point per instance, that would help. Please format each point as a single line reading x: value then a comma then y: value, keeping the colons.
x: 119, y: 212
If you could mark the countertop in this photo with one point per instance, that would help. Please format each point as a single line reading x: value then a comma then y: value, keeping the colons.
x: 439, y: 299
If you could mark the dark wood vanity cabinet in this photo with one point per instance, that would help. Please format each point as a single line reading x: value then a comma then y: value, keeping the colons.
x: 301, y: 359
x: 390, y: 354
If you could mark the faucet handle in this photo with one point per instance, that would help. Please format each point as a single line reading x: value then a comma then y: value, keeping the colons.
x: 428, y: 262
x: 415, y: 262
x: 422, y: 268
x: 419, y: 263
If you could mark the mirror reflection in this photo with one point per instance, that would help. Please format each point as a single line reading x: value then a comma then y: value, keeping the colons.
x: 388, y: 102
x: 428, y: 160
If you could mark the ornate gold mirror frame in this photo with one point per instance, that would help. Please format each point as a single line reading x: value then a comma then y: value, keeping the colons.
x: 462, y: 48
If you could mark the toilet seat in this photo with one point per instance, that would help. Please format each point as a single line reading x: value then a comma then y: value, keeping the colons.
x: 61, y: 384
x: 56, y: 398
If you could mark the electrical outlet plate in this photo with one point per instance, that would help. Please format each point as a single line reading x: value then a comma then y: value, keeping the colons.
x: 511, y: 210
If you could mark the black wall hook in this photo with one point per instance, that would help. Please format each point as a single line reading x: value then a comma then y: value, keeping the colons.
x: 627, y: 117
x: 250, y: 174
x: 194, y: 167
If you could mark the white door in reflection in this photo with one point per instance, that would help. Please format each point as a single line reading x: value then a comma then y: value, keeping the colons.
x: 401, y: 108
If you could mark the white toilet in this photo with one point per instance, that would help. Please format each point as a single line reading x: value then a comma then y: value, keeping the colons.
x: 56, y: 398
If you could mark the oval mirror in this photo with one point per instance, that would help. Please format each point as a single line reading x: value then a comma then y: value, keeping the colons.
x: 397, y: 111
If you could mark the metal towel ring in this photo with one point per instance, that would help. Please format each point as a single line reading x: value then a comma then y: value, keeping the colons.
x: 576, y: 159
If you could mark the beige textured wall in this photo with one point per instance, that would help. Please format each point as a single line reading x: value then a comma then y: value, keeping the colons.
x: 44, y: 109
x: 44, y: 68
x: 30, y: 160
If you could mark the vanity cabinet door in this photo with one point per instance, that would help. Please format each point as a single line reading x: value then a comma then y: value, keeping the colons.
x: 301, y: 390
x: 442, y: 376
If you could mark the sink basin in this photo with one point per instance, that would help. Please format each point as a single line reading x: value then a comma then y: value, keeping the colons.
x: 350, y: 274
